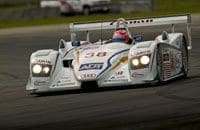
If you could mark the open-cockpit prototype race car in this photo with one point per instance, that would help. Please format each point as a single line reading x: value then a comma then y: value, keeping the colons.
x: 112, y: 63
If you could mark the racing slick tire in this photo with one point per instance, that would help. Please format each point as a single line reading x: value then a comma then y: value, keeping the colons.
x: 160, y: 75
x: 184, y: 53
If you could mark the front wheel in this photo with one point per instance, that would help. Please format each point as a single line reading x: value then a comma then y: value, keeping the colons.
x: 160, y: 76
x: 184, y: 52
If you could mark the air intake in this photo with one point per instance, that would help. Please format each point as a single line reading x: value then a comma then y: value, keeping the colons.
x: 67, y: 63
x: 90, y: 85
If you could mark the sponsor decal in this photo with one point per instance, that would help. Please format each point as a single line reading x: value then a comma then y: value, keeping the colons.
x: 88, y: 76
x: 139, y: 21
x: 116, y: 80
x: 64, y: 81
x: 39, y: 82
x: 91, y: 66
x: 62, y: 84
x: 143, y: 53
x: 65, y: 77
x: 166, y: 57
x: 43, y: 61
x: 118, y: 75
x: 137, y: 75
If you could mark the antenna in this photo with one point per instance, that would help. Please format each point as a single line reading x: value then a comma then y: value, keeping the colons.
x: 101, y: 32
x: 87, y: 36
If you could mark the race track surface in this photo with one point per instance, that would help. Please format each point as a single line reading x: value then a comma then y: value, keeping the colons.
x: 175, y: 105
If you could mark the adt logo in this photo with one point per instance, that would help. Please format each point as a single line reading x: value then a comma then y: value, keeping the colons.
x: 91, y: 66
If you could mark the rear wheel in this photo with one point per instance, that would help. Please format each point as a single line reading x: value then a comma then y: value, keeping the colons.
x: 184, y: 52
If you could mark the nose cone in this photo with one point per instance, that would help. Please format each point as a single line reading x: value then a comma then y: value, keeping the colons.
x: 96, y: 60
x: 89, y: 62
x: 90, y: 71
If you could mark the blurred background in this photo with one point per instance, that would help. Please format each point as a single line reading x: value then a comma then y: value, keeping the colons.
x: 39, y: 12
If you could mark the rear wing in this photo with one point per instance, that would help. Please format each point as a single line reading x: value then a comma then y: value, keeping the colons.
x: 142, y: 22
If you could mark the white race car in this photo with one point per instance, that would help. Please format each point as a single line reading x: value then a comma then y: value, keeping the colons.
x: 80, y: 64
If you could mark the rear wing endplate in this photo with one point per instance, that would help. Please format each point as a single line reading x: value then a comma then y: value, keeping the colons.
x: 142, y: 22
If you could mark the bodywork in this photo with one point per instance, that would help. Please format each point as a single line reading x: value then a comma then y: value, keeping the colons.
x: 105, y: 63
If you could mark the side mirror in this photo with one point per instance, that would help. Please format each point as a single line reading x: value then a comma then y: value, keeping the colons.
x: 165, y: 36
x: 62, y: 45
x: 138, y: 38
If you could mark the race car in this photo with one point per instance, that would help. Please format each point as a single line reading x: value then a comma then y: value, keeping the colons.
x: 105, y: 63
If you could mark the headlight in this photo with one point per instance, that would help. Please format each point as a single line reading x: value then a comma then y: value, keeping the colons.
x: 41, y: 70
x: 135, y: 62
x: 37, y: 69
x: 46, y: 70
x: 140, y: 62
x: 144, y: 60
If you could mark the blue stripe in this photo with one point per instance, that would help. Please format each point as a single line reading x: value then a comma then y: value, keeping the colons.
x: 109, y: 63
x: 55, y: 63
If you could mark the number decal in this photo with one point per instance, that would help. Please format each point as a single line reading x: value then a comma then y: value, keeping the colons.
x: 98, y: 54
x: 89, y: 55
x: 101, y: 54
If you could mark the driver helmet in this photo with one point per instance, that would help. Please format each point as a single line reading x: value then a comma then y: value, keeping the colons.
x: 120, y: 35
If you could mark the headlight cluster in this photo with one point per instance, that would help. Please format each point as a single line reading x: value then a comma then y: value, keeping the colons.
x: 144, y: 60
x: 140, y: 62
x: 39, y: 70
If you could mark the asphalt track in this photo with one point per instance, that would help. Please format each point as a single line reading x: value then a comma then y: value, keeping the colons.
x: 175, y: 105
